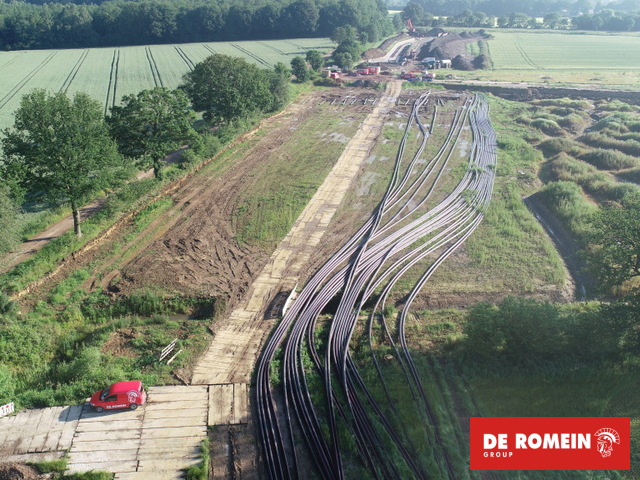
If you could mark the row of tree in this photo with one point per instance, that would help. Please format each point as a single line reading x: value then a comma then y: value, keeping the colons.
x: 532, y: 8
x: 55, y: 25
x: 64, y: 150
x: 604, y: 20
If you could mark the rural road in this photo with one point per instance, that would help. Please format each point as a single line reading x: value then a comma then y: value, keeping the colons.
x: 26, y: 249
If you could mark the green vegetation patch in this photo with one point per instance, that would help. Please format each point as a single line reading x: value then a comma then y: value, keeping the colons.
x: 509, y: 251
x: 280, y: 190
x: 59, y: 354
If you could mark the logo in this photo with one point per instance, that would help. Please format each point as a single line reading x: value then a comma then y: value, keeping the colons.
x: 607, y: 437
x: 132, y: 396
x: 550, y: 443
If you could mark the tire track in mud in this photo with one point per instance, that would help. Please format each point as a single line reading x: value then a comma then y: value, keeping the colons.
x: 110, y: 100
x: 74, y: 71
x: 20, y: 85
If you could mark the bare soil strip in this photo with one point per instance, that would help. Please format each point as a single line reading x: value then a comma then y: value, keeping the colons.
x: 232, y: 354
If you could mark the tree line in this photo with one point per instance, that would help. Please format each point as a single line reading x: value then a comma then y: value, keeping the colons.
x: 424, y: 13
x: 532, y: 8
x: 26, y: 25
x: 63, y: 150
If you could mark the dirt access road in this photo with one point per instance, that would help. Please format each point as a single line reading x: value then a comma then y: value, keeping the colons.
x: 224, y: 371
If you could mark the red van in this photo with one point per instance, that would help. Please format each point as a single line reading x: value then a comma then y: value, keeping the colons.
x: 119, y: 395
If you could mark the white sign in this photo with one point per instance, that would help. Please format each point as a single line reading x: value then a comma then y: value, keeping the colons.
x: 6, y: 409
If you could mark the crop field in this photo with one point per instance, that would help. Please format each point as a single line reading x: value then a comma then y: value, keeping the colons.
x: 109, y: 73
x: 567, y: 57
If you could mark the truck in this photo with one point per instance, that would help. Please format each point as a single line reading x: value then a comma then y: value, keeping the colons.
x: 368, y: 71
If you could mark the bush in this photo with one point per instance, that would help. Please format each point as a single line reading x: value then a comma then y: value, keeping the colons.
x: 632, y: 175
x: 600, y: 140
x: 568, y: 202
x: 555, y: 146
x: 550, y: 127
x: 526, y: 333
x: 610, y: 159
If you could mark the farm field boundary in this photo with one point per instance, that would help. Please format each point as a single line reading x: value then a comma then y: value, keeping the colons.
x: 107, y: 74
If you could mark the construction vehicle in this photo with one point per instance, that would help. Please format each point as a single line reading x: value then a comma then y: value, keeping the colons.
x: 410, y: 26
x: 368, y: 71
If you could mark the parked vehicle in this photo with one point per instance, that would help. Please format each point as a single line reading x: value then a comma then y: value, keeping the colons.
x: 119, y: 395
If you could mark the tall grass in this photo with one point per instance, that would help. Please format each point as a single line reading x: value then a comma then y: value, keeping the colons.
x: 569, y: 203
x: 54, y: 356
x: 610, y: 159
x: 201, y: 470
x: 600, y: 140
x: 599, y: 185
x: 632, y: 175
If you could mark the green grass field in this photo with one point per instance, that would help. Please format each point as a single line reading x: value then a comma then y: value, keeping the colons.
x: 109, y: 73
x: 606, y: 60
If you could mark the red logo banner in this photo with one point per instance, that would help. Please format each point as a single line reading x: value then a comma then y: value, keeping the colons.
x: 550, y: 443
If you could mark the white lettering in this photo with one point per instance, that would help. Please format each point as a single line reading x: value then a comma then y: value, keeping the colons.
x: 584, y: 440
x: 490, y: 441
x: 551, y: 441
x: 554, y: 441
x: 534, y: 440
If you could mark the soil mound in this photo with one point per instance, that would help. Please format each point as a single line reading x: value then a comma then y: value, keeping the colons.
x: 18, y: 471
x: 384, y: 48
x: 452, y: 46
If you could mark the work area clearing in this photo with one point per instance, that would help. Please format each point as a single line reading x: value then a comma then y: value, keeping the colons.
x: 158, y: 440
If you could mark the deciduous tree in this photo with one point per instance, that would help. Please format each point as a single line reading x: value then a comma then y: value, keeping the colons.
x: 152, y: 124
x: 226, y: 88
x: 64, y: 147
x: 614, y: 242
x: 299, y: 69
x: 314, y: 57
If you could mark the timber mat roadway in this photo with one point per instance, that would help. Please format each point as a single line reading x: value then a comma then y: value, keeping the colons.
x: 160, y: 439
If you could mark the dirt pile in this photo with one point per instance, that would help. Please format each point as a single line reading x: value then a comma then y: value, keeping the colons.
x: 384, y: 48
x: 452, y: 46
x: 19, y: 471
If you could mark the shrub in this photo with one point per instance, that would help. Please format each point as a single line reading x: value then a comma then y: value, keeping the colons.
x: 555, y: 146
x: 616, y: 106
x: 566, y: 103
x: 632, y: 175
x: 610, y: 159
x: 568, y: 202
x: 550, y: 127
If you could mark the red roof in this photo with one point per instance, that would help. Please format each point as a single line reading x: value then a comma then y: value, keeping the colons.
x: 123, y: 387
